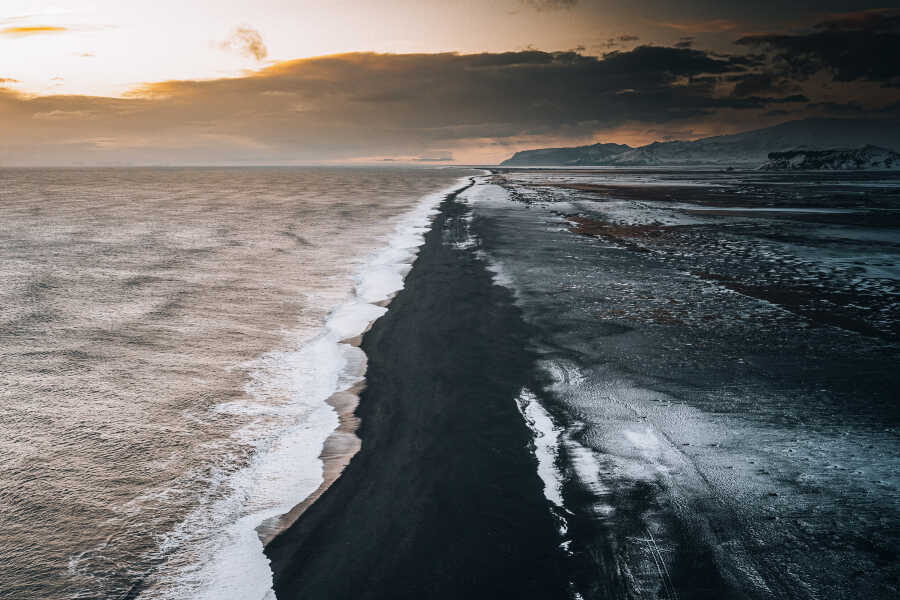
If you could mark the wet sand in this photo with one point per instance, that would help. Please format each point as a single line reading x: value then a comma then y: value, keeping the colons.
x: 721, y: 386
x: 443, y: 500
x: 725, y: 380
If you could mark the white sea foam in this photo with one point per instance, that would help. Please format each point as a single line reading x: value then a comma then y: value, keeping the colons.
x: 292, y: 387
x: 381, y: 276
x: 352, y: 318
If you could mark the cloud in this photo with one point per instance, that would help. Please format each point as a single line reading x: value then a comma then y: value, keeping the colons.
x: 710, y: 26
x: 366, y: 104
x: 618, y: 41
x: 247, y: 41
x: 862, y: 45
x: 23, y: 31
x: 661, y: 62
x: 873, y: 19
x: 856, y: 108
x: 550, y: 4
x: 62, y: 114
x: 49, y: 11
x: 433, y: 159
x: 852, y: 107
x: 753, y: 84
x: 8, y: 80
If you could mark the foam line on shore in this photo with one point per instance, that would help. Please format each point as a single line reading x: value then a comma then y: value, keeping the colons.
x: 321, y: 378
x: 445, y: 366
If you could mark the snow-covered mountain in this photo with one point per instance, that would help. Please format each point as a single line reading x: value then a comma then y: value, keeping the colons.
x: 578, y: 155
x: 867, y: 157
x: 748, y: 149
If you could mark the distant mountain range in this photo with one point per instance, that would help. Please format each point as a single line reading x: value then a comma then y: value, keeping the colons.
x: 748, y: 149
x: 867, y: 157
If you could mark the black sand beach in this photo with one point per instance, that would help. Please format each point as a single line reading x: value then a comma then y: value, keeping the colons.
x: 443, y: 500
x: 720, y: 349
x: 715, y: 355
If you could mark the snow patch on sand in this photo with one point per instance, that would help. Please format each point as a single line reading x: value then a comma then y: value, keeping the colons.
x: 546, y: 444
x: 490, y: 195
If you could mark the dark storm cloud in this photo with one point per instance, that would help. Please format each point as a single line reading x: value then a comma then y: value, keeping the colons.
x: 878, y: 19
x: 855, y: 46
x: 891, y: 110
x: 795, y: 99
x: 843, y: 108
x: 366, y: 104
x: 756, y: 83
x: 855, y: 108
x: 661, y: 61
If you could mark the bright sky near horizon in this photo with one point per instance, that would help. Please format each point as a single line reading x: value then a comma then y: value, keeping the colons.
x: 83, y: 79
x: 105, y: 47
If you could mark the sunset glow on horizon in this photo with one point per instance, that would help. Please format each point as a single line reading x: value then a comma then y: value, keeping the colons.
x: 75, y: 60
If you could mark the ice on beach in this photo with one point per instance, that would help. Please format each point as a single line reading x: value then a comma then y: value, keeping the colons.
x: 546, y: 444
x: 681, y: 373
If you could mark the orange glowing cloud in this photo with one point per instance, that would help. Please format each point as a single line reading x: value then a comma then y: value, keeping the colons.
x: 349, y: 106
x: 22, y: 31
x: 247, y: 41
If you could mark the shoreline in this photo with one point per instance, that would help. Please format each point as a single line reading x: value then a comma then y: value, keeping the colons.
x: 443, y: 497
x: 338, y: 449
x: 342, y: 443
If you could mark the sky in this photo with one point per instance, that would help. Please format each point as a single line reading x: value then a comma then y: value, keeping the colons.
x: 294, y: 82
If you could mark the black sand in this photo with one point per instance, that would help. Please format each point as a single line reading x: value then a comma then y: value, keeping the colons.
x: 443, y: 500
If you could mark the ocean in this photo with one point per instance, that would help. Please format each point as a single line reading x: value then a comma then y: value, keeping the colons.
x: 170, y: 341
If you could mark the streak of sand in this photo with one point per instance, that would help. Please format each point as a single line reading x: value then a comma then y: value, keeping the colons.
x: 339, y: 448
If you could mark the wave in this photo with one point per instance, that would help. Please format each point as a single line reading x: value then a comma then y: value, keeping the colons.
x: 310, y: 391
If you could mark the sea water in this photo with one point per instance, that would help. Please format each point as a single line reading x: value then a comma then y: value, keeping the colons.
x: 169, y: 339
